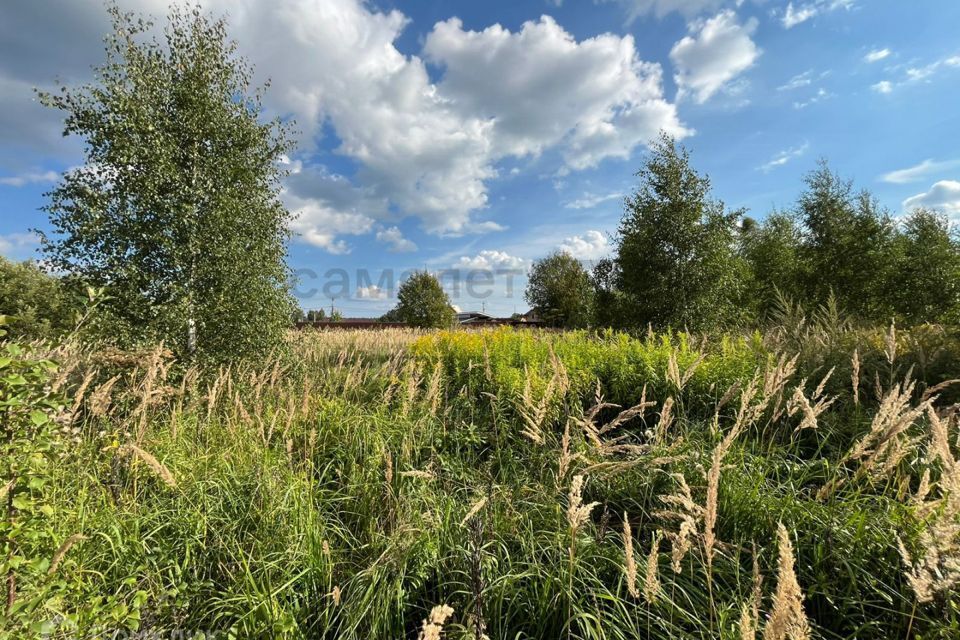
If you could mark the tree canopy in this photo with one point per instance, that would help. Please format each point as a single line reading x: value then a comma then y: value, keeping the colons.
x: 560, y: 288
x: 675, y: 257
x: 176, y: 211
x: 844, y: 247
x: 422, y: 302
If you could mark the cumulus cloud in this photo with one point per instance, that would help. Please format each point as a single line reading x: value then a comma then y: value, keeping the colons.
x: 803, y: 11
x: 884, y: 86
x: 918, y: 171
x: 372, y: 292
x: 876, y: 55
x: 29, y: 178
x: 430, y: 148
x: 427, y: 148
x: 490, y: 260
x: 591, y: 200
x: 325, y: 206
x: 413, y: 148
x: 393, y: 238
x: 943, y: 195
x: 592, y: 245
x: 520, y: 83
x: 715, y: 52
x: 784, y: 157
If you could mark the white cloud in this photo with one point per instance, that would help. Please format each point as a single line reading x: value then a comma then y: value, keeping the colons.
x: 715, y: 52
x: 18, y: 244
x: 800, y: 80
x: 591, y: 200
x: 821, y: 94
x: 660, y: 8
x: 519, y: 84
x: 393, y: 238
x: 918, y: 171
x: 794, y: 15
x: 784, y: 157
x: 321, y: 226
x: 943, y: 195
x: 592, y: 245
x: 918, y: 74
x: 372, y: 292
x: 29, y: 178
x: 490, y: 260
x: 326, y: 206
x: 876, y: 55
x: 413, y: 147
x: 428, y: 148
x: 924, y: 72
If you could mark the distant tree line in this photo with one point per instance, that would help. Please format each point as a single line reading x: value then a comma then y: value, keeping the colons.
x: 682, y: 259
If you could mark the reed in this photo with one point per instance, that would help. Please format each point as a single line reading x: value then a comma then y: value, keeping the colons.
x: 345, y: 486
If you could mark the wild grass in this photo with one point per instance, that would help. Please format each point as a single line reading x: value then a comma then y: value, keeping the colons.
x: 507, y: 484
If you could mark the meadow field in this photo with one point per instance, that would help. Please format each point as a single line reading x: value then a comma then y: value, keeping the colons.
x: 496, y: 484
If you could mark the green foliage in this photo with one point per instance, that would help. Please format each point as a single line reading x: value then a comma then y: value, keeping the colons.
x: 675, y: 257
x: 176, y: 211
x: 28, y: 453
x: 610, y: 307
x: 623, y: 365
x: 316, y: 315
x: 333, y: 494
x: 840, y: 248
x: 846, y: 245
x: 682, y: 262
x: 41, y: 305
x: 391, y: 316
x: 422, y: 302
x: 771, y: 250
x: 925, y: 286
x: 560, y: 288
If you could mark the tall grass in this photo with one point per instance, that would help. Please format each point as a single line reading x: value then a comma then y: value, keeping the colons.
x: 502, y: 484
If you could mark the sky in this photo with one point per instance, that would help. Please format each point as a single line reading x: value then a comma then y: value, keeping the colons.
x: 473, y: 138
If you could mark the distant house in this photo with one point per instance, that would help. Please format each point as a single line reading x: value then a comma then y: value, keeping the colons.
x: 532, y: 317
x: 469, y: 319
x: 475, y: 318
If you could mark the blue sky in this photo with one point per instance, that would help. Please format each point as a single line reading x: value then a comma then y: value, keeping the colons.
x: 483, y: 135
